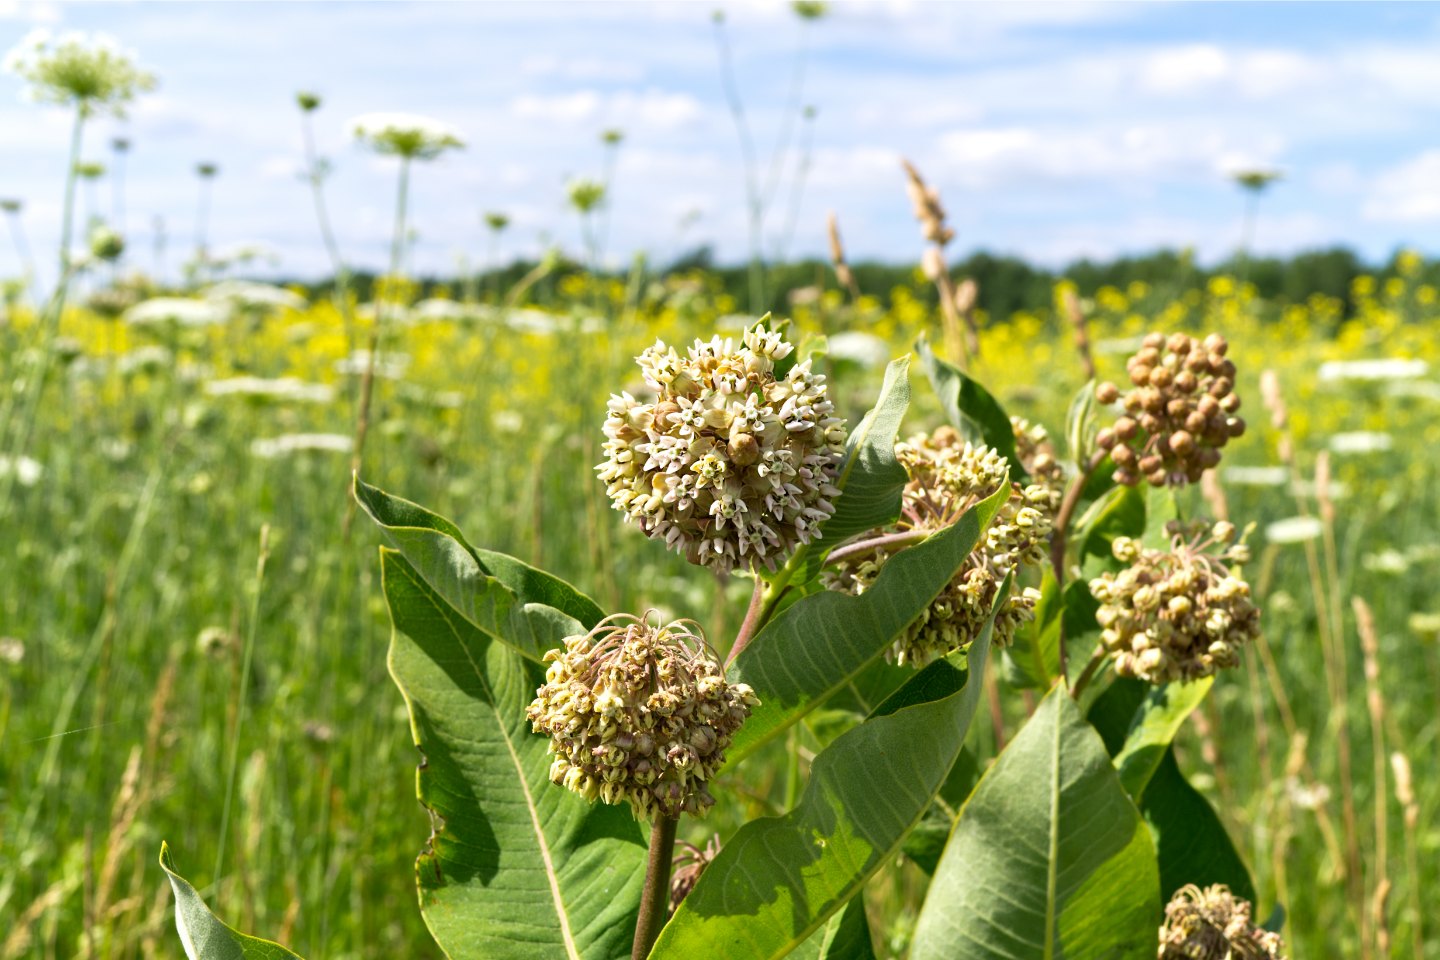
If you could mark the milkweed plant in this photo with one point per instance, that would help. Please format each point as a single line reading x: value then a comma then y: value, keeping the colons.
x: 572, y: 754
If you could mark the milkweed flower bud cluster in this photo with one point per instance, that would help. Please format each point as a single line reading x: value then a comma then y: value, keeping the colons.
x: 639, y: 713
x: 1179, y: 614
x: 1214, y: 924
x: 1179, y: 414
x: 730, y: 465
x: 947, y: 477
x: 1036, y: 453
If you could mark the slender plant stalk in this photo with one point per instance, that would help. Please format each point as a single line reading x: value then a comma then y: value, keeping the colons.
x: 233, y: 764
x: 327, y: 232
x: 367, y: 382
x: 655, y: 898
x: 754, y: 199
x: 1375, y: 702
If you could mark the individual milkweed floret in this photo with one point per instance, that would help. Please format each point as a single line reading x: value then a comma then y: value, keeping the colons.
x: 947, y: 477
x: 1179, y: 415
x: 730, y: 465
x: 1177, y: 614
x: 639, y: 713
x: 1214, y: 924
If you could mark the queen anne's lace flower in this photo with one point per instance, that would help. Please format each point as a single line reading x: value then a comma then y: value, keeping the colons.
x: 1214, y: 924
x: 729, y: 465
x: 405, y: 134
x: 640, y: 714
x: 1178, y: 416
x: 91, y: 72
x: 947, y: 477
x: 1179, y: 614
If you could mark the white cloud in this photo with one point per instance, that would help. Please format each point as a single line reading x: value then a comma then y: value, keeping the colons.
x: 651, y: 107
x: 1408, y: 192
x: 582, y: 68
x: 33, y: 11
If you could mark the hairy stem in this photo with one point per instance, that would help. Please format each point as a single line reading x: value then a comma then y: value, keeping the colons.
x: 751, y: 622
x: 655, y: 898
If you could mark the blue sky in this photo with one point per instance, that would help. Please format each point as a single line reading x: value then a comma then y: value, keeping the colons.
x: 1052, y: 131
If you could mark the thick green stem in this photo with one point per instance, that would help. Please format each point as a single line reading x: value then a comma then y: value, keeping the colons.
x: 655, y: 898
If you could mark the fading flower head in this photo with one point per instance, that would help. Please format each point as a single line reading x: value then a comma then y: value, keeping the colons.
x: 1214, y: 924
x: 405, y: 135
x: 730, y: 465
x: 1177, y: 614
x: 641, y: 713
x: 947, y: 477
x: 87, y: 71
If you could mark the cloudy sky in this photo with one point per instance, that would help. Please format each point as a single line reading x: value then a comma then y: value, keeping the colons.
x: 1053, y: 132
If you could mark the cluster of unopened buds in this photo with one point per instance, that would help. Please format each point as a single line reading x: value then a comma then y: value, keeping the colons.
x: 730, y: 465
x: 947, y: 477
x: 1036, y: 453
x: 1214, y: 924
x: 639, y: 713
x: 1179, y: 414
x: 1177, y: 614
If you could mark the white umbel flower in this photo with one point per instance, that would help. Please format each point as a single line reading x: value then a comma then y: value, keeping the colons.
x: 181, y: 311
x: 405, y: 135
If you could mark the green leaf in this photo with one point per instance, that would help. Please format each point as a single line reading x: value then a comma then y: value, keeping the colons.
x: 1161, y: 506
x: 1049, y: 858
x: 202, y: 933
x: 779, y: 878
x: 846, y: 936
x: 1080, y: 425
x: 870, y: 479
x: 926, y: 843
x: 971, y: 409
x: 516, y: 866
x: 820, y: 643
x: 1153, y: 728
x: 502, y: 597
x: 1032, y: 661
x: 1191, y: 843
x: 1120, y: 512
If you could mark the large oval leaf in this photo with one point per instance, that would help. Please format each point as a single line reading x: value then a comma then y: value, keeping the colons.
x: 971, y: 409
x: 779, y: 878
x: 871, y: 477
x: 497, y: 594
x: 1049, y: 858
x: 516, y: 867
x: 203, y: 934
x: 819, y: 644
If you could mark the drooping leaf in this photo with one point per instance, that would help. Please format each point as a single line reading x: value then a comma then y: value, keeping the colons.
x: 515, y: 866
x: 1049, y: 858
x: 971, y: 409
x: 203, y: 934
x: 845, y: 936
x: 1191, y: 843
x: 819, y: 644
x: 1153, y: 728
x: 499, y: 595
x: 870, y: 479
x: 780, y: 878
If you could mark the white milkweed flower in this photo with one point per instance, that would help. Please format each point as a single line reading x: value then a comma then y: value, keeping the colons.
x: 280, y: 389
x: 1361, y: 442
x: 268, y: 448
x: 1294, y: 530
x: 1387, y: 368
x: 252, y: 295
x: 87, y: 70
x: 27, y: 471
x: 407, y: 135
x: 181, y: 311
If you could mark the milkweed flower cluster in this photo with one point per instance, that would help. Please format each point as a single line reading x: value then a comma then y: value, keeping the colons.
x: 730, y: 465
x: 1179, y: 415
x: 1177, y: 614
x: 639, y: 713
x: 947, y: 477
x: 88, y: 71
x: 1214, y: 924
x: 405, y: 135
x: 1036, y: 453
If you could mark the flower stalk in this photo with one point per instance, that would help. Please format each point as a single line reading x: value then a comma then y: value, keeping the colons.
x: 655, y: 897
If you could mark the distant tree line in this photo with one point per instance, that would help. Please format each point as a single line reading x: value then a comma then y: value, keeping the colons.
x: 1007, y: 284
